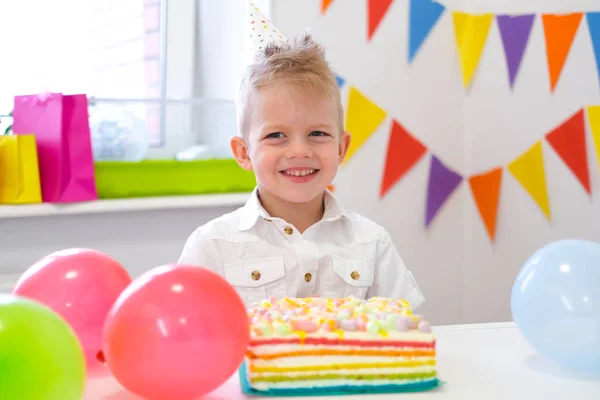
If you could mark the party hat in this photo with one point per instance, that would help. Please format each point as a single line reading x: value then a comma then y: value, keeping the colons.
x: 260, y: 30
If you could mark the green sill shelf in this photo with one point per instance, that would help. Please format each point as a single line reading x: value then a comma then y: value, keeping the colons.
x: 155, y: 178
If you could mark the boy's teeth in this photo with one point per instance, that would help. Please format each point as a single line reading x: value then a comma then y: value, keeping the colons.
x: 300, y: 173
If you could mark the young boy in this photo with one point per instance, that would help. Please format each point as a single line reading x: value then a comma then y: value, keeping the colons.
x: 293, y: 238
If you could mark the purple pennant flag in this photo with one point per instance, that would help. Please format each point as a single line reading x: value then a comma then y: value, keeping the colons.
x: 442, y: 182
x: 514, y: 31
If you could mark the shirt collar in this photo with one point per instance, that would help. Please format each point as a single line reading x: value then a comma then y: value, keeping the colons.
x: 253, y: 211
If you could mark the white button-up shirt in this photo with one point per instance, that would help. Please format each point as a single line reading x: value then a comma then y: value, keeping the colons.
x: 341, y: 255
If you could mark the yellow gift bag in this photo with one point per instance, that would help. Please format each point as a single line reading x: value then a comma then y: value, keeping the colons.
x: 19, y: 170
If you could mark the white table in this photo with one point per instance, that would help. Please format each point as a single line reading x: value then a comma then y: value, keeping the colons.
x: 480, y: 361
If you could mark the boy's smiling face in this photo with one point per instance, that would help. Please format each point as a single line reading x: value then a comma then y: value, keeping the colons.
x: 294, y: 143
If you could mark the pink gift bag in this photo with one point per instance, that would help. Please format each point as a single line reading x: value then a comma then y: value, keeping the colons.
x: 61, y: 127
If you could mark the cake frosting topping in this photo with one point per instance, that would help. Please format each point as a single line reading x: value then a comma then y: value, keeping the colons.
x: 377, y: 315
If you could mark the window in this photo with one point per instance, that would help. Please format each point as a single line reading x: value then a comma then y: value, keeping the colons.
x: 112, y: 50
x: 146, y: 58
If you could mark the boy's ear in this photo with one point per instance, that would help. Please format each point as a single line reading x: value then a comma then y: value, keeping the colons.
x: 344, y: 144
x: 240, y: 152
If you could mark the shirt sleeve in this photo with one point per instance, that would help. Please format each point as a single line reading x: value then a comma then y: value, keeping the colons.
x: 200, y: 252
x: 392, y: 278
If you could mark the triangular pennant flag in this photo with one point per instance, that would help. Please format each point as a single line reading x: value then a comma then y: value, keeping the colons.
x: 559, y: 31
x: 442, y: 182
x: 528, y: 169
x: 325, y: 5
x: 376, y: 11
x: 515, y: 31
x: 593, y: 19
x: 486, y: 191
x: 594, y: 120
x: 340, y: 80
x: 363, y: 117
x: 423, y: 16
x: 402, y: 153
x: 568, y: 140
x: 471, y: 32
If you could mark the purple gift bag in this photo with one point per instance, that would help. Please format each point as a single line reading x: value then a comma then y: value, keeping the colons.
x: 61, y: 127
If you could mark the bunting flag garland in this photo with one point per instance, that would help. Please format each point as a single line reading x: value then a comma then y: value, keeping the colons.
x: 593, y: 19
x: 514, y: 32
x: 340, y: 80
x: 528, y: 169
x: 559, y: 31
x: 442, y: 183
x: 486, y: 192
x: 471, y: 32
x: 376, y: 11
x: 593, y: 114
x: 424, y: 14
x: 568, y: 140
x: 362, y: 120
x: 325, y: 5
x: 403, y: 152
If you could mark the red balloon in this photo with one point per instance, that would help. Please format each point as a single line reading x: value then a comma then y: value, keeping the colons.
x: 177, y: 332
x: 80, y: 285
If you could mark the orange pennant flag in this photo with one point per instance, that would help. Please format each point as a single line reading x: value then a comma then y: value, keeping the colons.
x: 403, y: 152
x: 486, y: 191
x: 325, y: 5
x: 376, y: 11
x: 568, y: 140
x: 559, y: 31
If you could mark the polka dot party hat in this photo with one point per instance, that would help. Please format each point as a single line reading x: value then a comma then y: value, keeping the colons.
x: 260, y: 30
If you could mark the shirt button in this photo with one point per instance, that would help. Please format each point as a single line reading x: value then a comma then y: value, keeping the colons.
x: 255, y: 275
x: 355, y: 275
x: 288, y: 229
x: 268, y: 219
x: 307, y: 277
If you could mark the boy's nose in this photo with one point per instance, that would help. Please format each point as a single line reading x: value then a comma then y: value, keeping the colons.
x: 299, y: 149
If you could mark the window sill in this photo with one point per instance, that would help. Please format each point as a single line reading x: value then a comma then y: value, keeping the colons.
x: 123, y: 205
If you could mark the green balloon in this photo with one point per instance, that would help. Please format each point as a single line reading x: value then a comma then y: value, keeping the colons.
x: 40, y: 356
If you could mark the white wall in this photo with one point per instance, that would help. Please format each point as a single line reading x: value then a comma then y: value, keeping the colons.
x: 464, y: 277
x: 138, y: 240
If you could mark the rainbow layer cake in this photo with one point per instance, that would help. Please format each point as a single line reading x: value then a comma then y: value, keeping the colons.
x: 316, y: 346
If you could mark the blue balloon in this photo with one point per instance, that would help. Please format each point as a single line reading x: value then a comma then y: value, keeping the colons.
x: 555, y: 303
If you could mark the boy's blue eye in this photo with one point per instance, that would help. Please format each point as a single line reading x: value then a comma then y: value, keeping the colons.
x: 318, y: 133
x: 274, y: 135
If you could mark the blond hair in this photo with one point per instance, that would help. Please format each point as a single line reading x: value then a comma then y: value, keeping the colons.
x: 297, y: 62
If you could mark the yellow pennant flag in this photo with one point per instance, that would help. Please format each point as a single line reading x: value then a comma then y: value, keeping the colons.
x: 593, y: 113
x: 363, y: 117
x: 471, y: 32
x: 528, y: 169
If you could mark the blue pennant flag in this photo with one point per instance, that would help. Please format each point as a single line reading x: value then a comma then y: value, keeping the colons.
x: 593, y: 19
x: 424, y: 14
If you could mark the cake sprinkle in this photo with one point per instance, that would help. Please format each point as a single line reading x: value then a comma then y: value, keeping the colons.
x: 377, y: 315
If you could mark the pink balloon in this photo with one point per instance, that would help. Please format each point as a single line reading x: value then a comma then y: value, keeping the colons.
x: 177, y: 332
x: 81, y: 285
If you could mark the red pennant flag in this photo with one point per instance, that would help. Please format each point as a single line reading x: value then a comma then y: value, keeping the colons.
x: 568, y: 140
x: 376, y: 11
x: 325, y: 5
x: 402, y: 153
x: 486, y: 191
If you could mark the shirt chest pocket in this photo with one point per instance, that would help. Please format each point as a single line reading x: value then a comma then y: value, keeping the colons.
x: 257, y: 279
x: 349, y: 278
